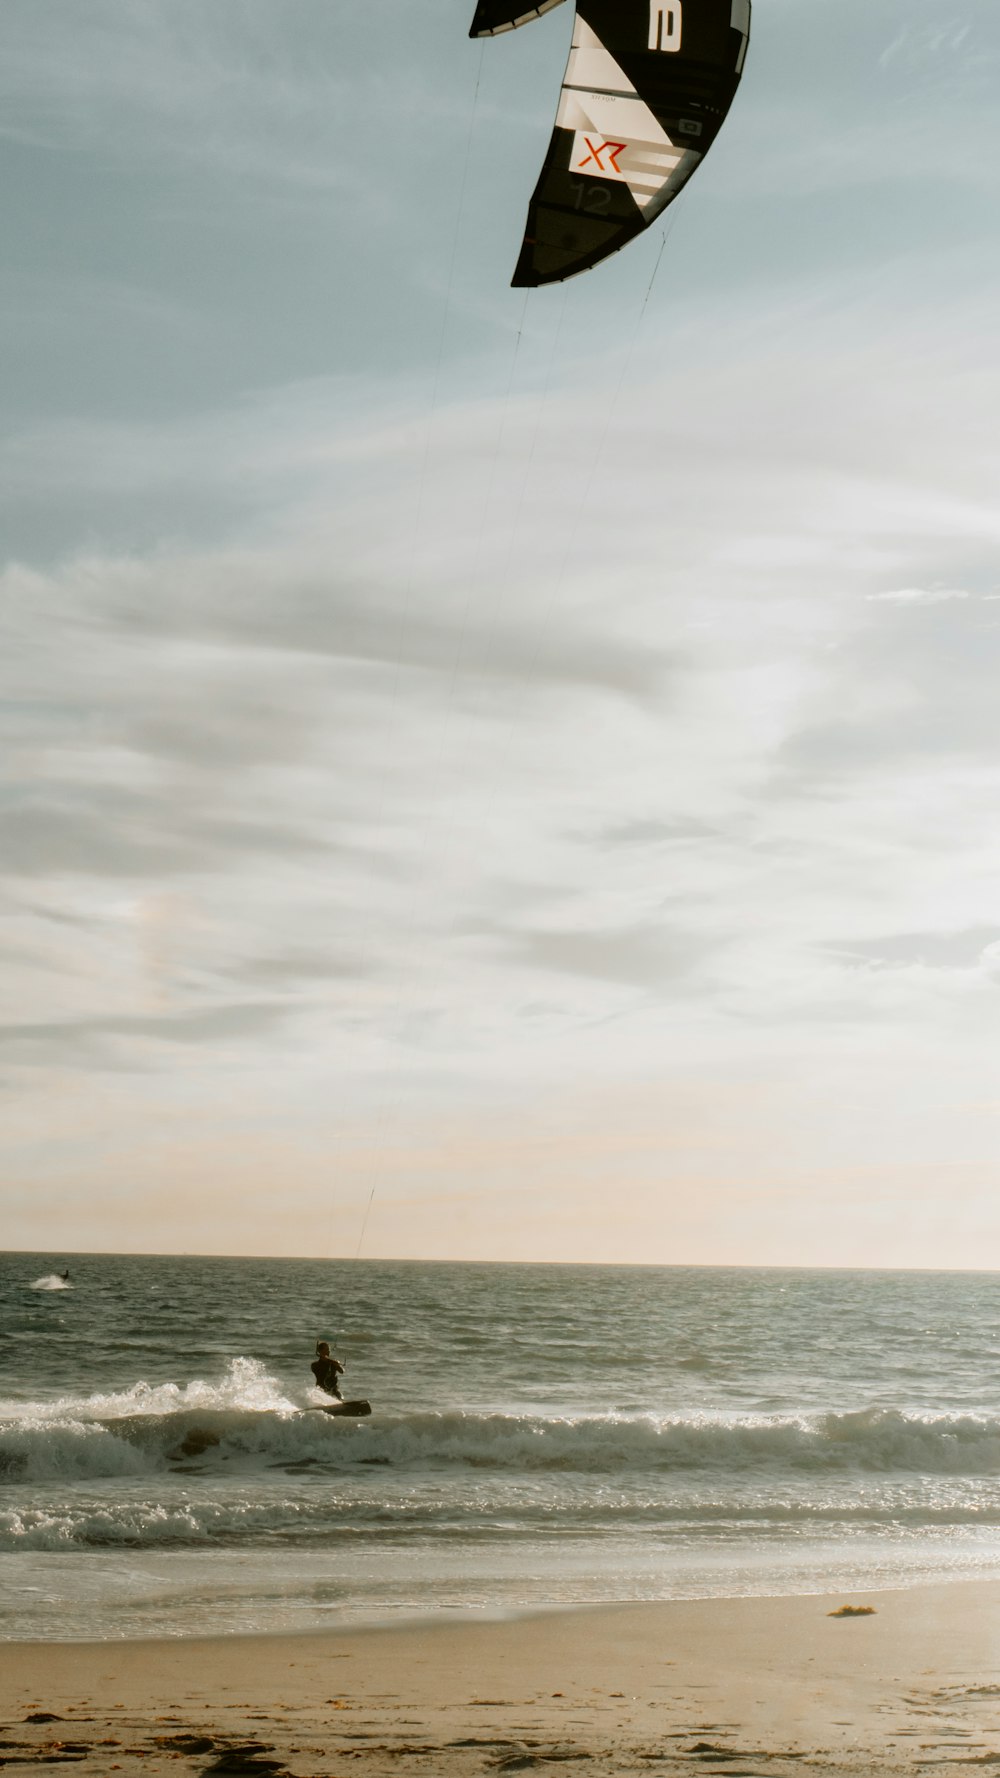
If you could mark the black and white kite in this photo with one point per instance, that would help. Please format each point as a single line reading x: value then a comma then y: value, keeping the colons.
x: 646, y: 91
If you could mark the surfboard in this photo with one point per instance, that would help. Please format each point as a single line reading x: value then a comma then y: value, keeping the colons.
x: 355, y: 1408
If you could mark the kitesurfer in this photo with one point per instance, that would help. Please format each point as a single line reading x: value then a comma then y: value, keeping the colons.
x: 326, y: 1370
x: 65, y: 1276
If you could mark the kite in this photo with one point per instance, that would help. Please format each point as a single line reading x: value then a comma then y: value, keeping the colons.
x: 494, y: 16
x: 646, y: 91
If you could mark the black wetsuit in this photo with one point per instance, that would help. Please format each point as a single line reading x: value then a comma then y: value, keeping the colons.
x: 326, y: 1371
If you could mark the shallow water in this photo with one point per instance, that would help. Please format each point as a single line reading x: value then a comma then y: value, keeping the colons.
x: 541, y: 1435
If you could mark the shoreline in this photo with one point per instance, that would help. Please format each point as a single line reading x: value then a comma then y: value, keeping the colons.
x: 408, y: 1619
x: 169, y: 1595
x: 747, y: 1685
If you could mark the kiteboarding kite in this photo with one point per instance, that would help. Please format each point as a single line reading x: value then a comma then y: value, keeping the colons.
x: 646, y: 91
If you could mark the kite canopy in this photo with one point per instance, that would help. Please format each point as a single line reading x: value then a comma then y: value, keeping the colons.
x: 494, y: 16
x: 646, y: 91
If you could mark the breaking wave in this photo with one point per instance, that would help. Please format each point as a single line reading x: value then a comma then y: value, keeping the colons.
x: 248, y: 1423
x: 203, y: 1522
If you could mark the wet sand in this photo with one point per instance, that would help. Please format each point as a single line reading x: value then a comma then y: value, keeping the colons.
x: 747, y: 1686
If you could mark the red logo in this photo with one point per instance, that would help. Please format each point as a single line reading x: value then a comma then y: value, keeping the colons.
x: 599, y: 149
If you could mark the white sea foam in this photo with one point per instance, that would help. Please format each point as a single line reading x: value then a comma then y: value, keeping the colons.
x: 146, y: 1525
x: 290, y: 1512
x: 51, y: 1281
x: 245, y: 1385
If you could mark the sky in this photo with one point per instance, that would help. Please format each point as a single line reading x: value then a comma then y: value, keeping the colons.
x: 490, y: 774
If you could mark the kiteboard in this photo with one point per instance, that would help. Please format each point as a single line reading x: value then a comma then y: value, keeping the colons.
x: 355, y: 1408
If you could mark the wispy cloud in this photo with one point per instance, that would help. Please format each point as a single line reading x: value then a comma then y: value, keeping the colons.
x: 72, y: 1039
x: 915, y: 595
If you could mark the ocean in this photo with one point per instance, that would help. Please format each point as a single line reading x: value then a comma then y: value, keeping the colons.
x: 541, y: 1435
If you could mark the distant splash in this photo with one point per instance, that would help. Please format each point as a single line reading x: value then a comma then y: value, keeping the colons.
x: 51, y: 1281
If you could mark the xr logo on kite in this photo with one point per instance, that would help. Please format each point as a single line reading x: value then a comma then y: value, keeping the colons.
x: 597, y: 152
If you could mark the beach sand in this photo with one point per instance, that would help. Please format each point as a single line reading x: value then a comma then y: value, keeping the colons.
x: 742, y: 1686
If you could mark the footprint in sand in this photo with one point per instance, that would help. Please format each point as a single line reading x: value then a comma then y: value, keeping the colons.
x: 245, y: 1759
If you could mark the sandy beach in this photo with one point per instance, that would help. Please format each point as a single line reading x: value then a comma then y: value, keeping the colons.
x: 744, y: 1686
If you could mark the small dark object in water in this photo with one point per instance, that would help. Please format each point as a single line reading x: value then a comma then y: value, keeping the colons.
x: 196, y: 1442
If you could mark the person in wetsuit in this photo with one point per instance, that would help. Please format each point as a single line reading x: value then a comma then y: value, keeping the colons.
x: 326, y: 1370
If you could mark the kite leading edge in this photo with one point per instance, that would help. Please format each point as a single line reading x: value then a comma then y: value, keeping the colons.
x: 494, y: 16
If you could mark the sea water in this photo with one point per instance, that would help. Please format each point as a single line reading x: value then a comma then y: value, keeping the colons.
x: 541, y: 1435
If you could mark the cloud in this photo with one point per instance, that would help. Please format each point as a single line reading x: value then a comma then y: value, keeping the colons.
x: 963, y: 949
x: 918, y: 697
x: 106, y: 1040
x: 130, y: 836
x: 247, y: 602
x: 295, y: 967
x: 641, y: 832
x: 459, y: 727
x: 174, y: 79
x: 914, y: 595
x: 653, y: 958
